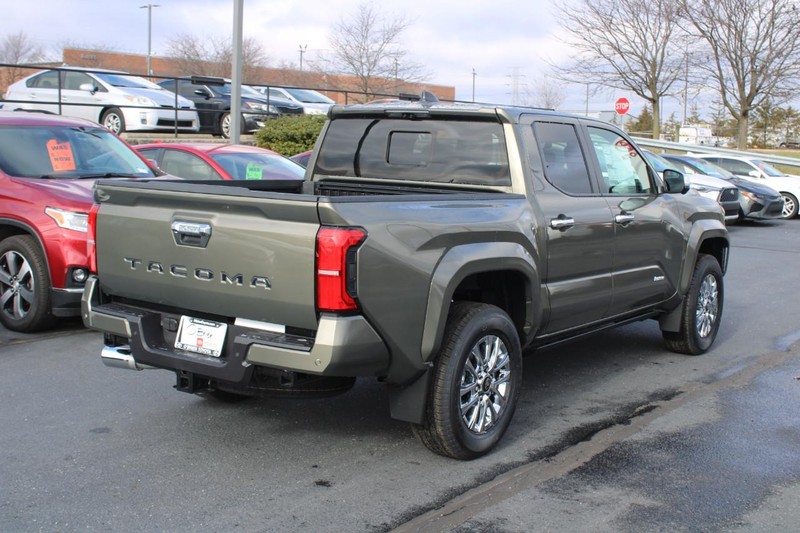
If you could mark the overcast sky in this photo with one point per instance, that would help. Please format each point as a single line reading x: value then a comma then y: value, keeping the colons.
x: 497, y: 38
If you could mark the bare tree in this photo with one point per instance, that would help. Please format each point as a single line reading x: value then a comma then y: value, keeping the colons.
x: 211, y: 56
x: 754, y: 51
x: 367, y: 46
x: 625, y: 44
x: 545, y: 93
x: 17, y: 49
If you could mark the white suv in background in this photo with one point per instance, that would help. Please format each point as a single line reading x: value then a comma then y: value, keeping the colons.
x: 755, y: 170
x: 118, y: 101
x: 313, y: 103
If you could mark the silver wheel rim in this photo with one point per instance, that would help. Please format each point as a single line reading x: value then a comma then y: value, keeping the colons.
x: 113, y: 122
x: 226, y: 125
x: 788, y: 207
x: 16, y: 285
x: 707, y: 306
x: 485, y: 384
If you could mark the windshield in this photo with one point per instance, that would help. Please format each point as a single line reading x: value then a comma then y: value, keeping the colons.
x: 710, y: 169
x: 309, y: 97
x: 658, y: 162
x: 250, y: 166
x: 67, y: 152
x: 768, y: 169
x: 134, y: 82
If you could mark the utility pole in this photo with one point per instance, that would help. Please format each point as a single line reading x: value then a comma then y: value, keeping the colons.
x: 473, y: 83
x: 149, y: 8
x: 303, y: 49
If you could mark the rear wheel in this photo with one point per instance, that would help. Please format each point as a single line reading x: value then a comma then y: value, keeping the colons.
x: 225, y: 125
x: 789, y: 205
x: 114, y: 120
x: 476, y: 383
x: 701, y: 312
x: 24, y: 285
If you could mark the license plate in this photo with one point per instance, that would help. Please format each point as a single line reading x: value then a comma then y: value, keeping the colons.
x: 201, y: 336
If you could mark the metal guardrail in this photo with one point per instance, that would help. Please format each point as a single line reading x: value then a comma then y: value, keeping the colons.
x: 704, y: 148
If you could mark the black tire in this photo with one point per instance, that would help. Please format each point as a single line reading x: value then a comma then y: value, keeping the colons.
x: 485, y: 392
x: 113, y: 120
x: 24, y: 285
x: 789, y: 205
x: 225, y: 125
x: 701, y: 311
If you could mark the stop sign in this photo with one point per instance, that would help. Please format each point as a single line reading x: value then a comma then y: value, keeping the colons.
x: 622, y: 105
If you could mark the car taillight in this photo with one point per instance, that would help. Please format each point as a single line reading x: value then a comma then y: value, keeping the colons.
x: 91, y: 236
x: 336, y: 268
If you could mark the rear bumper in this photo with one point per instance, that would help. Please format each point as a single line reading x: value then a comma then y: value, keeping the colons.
x: 343, y: 346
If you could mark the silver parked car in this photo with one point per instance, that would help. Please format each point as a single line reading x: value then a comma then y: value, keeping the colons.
x: 117, y: 100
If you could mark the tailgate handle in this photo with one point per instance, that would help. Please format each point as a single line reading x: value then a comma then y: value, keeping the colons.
x: 194, y: 234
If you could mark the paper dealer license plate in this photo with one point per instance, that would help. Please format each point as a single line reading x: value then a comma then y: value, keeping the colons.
x: 201, y: 336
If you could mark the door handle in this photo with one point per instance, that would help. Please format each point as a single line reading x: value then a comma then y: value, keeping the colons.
x: 624, y: 219
x: 191, y: 233
x: 562, y: 222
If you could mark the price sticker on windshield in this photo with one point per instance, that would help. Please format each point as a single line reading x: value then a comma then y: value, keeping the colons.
x: 254, y: 172
x: 60, y: 155
x: 201, y: 336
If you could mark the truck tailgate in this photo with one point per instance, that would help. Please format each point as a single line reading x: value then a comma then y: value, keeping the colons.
x: 231, y: 253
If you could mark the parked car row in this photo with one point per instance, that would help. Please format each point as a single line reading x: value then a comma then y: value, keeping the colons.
x: 761, y: 190
x: 122, y: 102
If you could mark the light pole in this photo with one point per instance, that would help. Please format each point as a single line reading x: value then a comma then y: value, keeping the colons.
x: 149, y: 8
x: 303, y: 49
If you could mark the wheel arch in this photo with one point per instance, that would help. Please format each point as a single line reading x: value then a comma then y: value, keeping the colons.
x: 502, y: 274
x: 11, y: 227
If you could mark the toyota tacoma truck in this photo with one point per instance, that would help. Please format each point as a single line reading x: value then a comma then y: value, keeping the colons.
x: 428, y: 245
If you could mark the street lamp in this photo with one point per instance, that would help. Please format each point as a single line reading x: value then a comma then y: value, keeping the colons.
x: 149, y: 8
x: 302, y: 51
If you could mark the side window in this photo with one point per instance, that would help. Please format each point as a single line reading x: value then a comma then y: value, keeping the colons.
x: 168, y: 85
x: 737, y: 167
x: 187, y: 166
x: 564, y: 164
x: 624, y: 171
x: 47, y: 80
x: 74, y: 80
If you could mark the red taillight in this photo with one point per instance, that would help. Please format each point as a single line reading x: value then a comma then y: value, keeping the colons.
x: 91, y: 236
x: 336, y: 268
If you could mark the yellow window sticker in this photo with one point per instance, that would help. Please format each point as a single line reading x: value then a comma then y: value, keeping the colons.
x: 60, y: 155
x: 254, y: 172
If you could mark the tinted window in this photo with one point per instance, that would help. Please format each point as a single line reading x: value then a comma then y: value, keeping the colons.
x: 187, y: 166
x: 623, y: 170
x: 732, y: 165
x: 447, y: 151
x: 564, y: 164
x: 74, y: 80
x: 46, y: 80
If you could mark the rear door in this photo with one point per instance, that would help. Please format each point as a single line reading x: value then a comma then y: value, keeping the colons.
x: 578, y: 221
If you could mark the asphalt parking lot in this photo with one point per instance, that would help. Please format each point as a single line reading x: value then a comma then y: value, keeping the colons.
x: 612, y: 433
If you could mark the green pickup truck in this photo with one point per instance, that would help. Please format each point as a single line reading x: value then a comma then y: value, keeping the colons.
x: 427, y: 247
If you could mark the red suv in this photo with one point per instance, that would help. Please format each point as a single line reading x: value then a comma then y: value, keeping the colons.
x: 48, y: 165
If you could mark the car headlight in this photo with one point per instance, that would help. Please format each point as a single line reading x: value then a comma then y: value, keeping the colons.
x: 73, y: 220
x: 264, y: 108
x: 141, y: 100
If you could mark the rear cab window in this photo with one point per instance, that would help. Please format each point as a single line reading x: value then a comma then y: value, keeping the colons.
x: 471, y: 151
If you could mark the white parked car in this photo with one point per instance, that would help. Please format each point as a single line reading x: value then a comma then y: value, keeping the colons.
x: 118, y: 101
x: 313, y: 103
x: 757, y: 171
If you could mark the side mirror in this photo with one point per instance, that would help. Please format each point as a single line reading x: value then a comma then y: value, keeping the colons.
x: 755, y: 174
x: 203, y: 93
x: 88, y: 87
x: 674, y: 182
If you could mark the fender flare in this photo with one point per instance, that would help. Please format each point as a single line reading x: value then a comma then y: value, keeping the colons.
x: 465, y: 260
x: 702, y: 230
